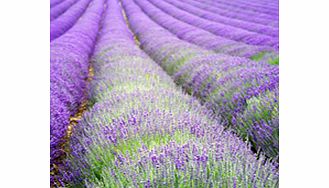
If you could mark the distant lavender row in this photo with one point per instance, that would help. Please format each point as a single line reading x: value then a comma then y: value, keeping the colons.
x: 63, y: 23
x: 61, y: 8
x: 265, y: 3
x: 261, y: 4
x: 222, y: 82
x: 236, y: 13
x: 242, y: 11
x: 143, y: 132
x: 54, y: 3
x: 69, y: 56
x: 244, y: 5
x: 201, y: 37
x: 219, y: 29
x: 267, y: 30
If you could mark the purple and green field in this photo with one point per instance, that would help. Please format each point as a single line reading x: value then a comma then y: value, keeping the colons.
x: 164, y: 93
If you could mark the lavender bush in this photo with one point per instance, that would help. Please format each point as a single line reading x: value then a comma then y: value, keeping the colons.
x: 260, y: 121
x: 223, y: 83
x: 63, y: 23
x: 144, y: 132
x: 69, y: 57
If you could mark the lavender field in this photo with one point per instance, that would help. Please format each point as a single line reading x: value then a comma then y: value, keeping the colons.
x: 164, y: 93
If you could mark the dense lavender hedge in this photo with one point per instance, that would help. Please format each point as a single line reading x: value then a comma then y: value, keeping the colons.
x: 201, y: 37
x: 61, y: 8
x: 219, y: 29
x: 69, y: 57
x: 224, y: 83
x: 236, y: 13
x: 63, y: 23
x: 261, y: 121
x: 144, y: 132
x: 267, y: 30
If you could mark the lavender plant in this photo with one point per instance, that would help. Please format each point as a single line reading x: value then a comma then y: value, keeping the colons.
x: 260, y: 121
x: 144, y: 132
x: 63, y: 23
x: 223, y: 83
x: 69, y: 57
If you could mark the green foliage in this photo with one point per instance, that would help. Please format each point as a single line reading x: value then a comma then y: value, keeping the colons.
x: 274, y: 61
x: 258, y: 56
x: 263, y: 56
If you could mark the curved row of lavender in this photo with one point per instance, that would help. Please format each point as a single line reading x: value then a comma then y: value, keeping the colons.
x: 54, y: 3
x: 263, y: 3
x: 64, y: 22
x: 61, y: 8
x: 259, y: 3
x: 267, y: 30
x: 236, y: 13
x: 243, y: 11
x: 219, y: 29
x: 260, y: 119
x: 224, y: 83
x: 143, y: 131
x: 246, y: 6
x: 69, y: 59
x: 201, y: 37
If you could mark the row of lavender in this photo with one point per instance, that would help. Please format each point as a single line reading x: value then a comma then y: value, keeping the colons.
x: 258, y: 28
x: 236, y: 12
x: 55, y: 12
x: 204, y: 38
x: 69, y: 60
x: 220, y: 29
x: 246, y: 12
x: 143, y: 131
x: 66, y: 17
x: 54, y: 3
x: 240, y: 91
x: 271, y: 10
